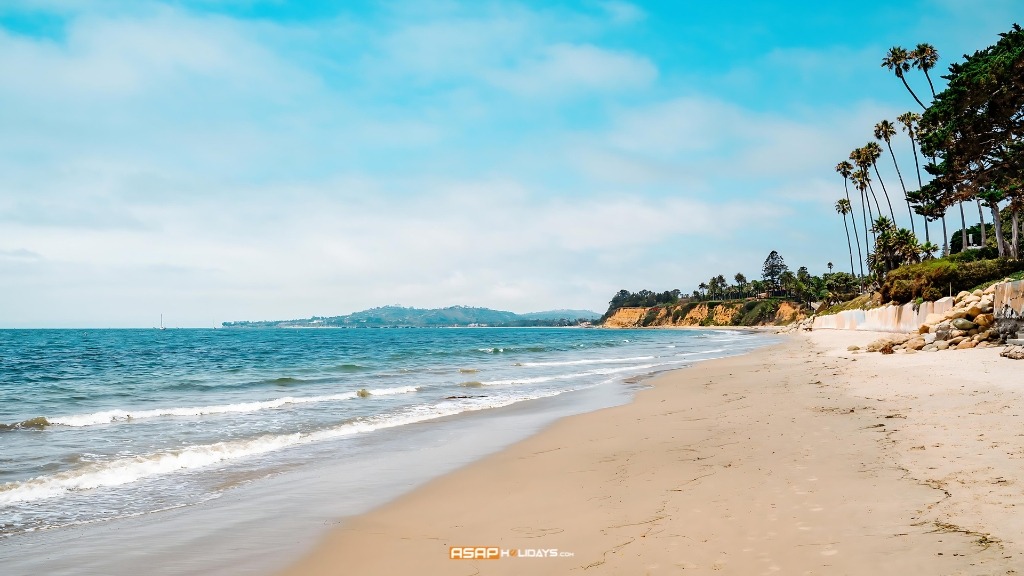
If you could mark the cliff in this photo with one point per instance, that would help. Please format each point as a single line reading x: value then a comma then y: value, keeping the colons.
x: 731, y: 313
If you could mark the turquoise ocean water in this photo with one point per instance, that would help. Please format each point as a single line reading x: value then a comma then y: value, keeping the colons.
x: 98, y: 425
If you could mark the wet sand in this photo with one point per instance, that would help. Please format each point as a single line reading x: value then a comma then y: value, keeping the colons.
x: 802, y: 458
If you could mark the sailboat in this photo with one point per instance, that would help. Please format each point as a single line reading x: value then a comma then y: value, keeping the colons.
x: 162, y: 322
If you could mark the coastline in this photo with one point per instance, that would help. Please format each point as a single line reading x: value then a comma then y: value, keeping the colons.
x: 793, y: 458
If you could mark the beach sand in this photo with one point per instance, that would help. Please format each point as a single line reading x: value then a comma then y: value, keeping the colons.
x: 802, y: 458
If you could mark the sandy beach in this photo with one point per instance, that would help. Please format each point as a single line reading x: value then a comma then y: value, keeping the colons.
x: 801, y: 458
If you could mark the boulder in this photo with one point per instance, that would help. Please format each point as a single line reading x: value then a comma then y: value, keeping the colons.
x: 961, y: 295
x: 984, y: 320
x: 956, y: 334
x: 933, y: 319
x: 990, y: 290
x: 955, y: 341
x: 941, y: 345
x: 929, y: 339
x: 973, y: 311
x: 979, y: 292
x: 966, y: 344
x: 1013, y: 352
x: 983, y: 344
x: 915, y: 344
x: 853, y: 348
x: 956, y: 313
x: 964, y: 324
x: 924, y: 329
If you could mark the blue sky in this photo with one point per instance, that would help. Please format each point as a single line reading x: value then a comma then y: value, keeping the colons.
x: 222, y: 160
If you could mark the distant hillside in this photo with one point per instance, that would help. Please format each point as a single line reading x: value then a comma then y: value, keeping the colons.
x: 400, y: 317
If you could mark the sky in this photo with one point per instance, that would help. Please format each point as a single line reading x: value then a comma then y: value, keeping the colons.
x: 218, y: 160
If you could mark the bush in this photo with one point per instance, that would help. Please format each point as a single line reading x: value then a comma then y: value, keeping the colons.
x: 758, y: 312
x: 934, y: 279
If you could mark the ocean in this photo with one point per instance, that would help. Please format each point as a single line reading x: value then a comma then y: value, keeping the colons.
x: 104, y: 429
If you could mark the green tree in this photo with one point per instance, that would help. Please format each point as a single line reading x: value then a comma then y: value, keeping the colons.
x: 772, y: 270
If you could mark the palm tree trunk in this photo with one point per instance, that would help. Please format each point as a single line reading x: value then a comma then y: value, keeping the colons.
x: 856, y: 236
x: 871, y: 218
x: 849, y: 245
x: 981, y: 215
x: 929, y: 77
x: 902, y: 185
x: 917, y: 163
x: 963, y: 228
x: 1014, y: 239
x: 927, y: 237
x: 886, y: 192
x: 875, y: 196
x: 998, y: 225
x: 912, y: 92
x: 945, y: 237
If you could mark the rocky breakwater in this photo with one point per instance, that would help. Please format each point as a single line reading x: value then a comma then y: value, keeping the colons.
x: 970, y: 323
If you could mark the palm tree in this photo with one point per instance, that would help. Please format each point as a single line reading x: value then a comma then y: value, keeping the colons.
x: 884, y: 130
x: 741, y: 282
x: 924, y: 58
x: 872, y: 152
x: 860, y: 181
x: 843, y: 207
x: 845, y: 169
x: 862, y: 159
x: 909, y: 120
x: 928, y: 251
x: 851, y: 253
x: 898, y: 60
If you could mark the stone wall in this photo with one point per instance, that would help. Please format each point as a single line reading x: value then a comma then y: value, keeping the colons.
x: 901, y: 319
x: 1009, y: 308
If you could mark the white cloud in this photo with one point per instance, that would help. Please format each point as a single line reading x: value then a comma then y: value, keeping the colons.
x: 566, y: 68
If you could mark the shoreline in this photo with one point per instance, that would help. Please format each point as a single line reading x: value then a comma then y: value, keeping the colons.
x: 794, y: 457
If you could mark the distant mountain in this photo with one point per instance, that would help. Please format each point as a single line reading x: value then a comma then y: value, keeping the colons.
x: 559, y: 314
x: 399, y: 317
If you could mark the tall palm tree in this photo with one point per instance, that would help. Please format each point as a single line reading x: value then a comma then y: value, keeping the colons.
x: 884, y: 131
x: 898, y: 60
x: 862, y: 159
x: 924, y: 58
x: 845, y: 169
x: 843, y: 207
x: 860, y: 181
x: 909, y: 120
x: 873, y: 152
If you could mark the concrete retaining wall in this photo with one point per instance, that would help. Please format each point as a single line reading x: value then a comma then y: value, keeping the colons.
x: 900, y: 319
x: 1009, y: 308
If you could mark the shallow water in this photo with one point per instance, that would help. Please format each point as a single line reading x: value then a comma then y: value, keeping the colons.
x: 112, y: 429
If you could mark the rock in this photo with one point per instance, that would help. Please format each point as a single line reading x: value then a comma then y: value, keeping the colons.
x: 909, y: 351
x: 973, y: 332
x: 930, y: 348
x: 1013, y: 352
x: 956, y: 341
x: 987, y: 309
x: 973, y: 311
x: 915, y: 344
x: 966, y: 344
x: 899, y: 338
x: 956, y: 334
x: 979, y: 292
x: 924, y: 329
x: 956, y: 313
x: 964, y: 324
x: 990, y: 290
x: 853, y: 348
x: 984, y: 320
x: 983, y: 344
x: 961, y: 295
x: 886, y: 348
x: 941, y: 345
x: 933, y: 319
x: 929, y: 339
